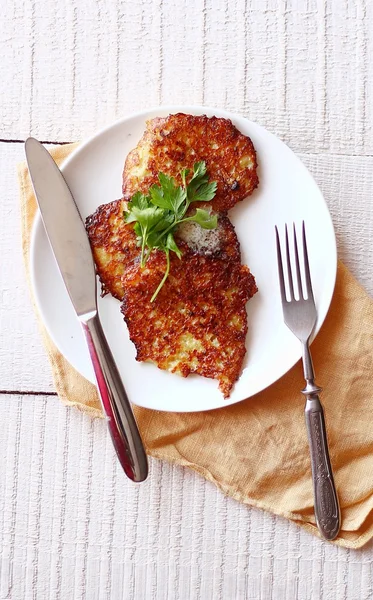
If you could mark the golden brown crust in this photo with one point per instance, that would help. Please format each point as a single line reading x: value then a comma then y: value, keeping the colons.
x: 198, y: 322
x: 114, y: 246
x: 177, y: 141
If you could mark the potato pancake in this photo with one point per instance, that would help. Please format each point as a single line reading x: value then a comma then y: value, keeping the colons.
x: 177, y: 141
x: 198, y: 322
x: 114, y: 246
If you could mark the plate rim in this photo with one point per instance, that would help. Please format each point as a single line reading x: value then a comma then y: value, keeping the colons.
x: 172, y: 109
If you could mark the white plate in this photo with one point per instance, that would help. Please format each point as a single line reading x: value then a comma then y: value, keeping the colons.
x: 286, y: 193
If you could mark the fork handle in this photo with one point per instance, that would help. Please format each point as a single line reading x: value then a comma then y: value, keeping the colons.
x: 327, y: 511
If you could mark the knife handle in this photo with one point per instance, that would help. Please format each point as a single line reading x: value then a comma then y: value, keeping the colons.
x: 117, y: 408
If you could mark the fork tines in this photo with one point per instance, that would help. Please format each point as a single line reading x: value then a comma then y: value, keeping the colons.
x: 308, y: 285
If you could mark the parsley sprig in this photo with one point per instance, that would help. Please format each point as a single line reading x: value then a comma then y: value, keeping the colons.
x: 158, y: 214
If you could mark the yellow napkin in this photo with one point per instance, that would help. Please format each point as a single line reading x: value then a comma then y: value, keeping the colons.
x: 257, y: 451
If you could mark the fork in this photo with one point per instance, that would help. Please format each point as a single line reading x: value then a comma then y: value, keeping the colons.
x: 300, y: 317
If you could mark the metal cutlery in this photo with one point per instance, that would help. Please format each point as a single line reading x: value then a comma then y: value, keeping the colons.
x: 300, y: 316
x: 70, y: 246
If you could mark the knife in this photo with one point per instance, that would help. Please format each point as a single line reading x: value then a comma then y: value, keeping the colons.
x: 71, y: 249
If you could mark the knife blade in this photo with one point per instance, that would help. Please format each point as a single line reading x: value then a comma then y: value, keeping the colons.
x: 71, y: 248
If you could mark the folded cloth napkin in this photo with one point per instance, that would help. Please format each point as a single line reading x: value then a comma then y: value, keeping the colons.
x: 256, y: 451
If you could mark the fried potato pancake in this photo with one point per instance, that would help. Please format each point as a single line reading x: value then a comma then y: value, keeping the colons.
x: 198, y: 322
x: 114, y: 246
x: 177, y: 141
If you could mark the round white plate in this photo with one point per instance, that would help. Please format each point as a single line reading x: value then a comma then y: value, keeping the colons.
x: 287, y: 193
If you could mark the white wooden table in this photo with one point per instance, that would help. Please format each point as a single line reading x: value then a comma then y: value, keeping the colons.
x: 71, y: 525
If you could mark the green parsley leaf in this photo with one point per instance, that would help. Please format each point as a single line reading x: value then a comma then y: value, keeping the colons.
x: 157, y: 196
x: 168, y: 195
x: 139, y: 200
x: 157, y: 215
x: 205, y: 192
x: 204, y: 218
x: 148, y: 220
x: 138, y: 231
x: 184, y: 174
x: 199, y: 170
x: 172, y: 245
x: 150, y: 217
x: 198, y: 189
x: 156, y: 238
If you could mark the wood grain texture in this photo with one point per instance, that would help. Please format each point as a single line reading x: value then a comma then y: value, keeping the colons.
x: 300, y: 68
x: 22, y: 356
x: 71, y: 525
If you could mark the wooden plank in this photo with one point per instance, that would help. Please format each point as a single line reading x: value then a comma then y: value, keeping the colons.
x: 23, y: 363
x: 301, y: 69
x: 347, y: 185
x: 72, y: 525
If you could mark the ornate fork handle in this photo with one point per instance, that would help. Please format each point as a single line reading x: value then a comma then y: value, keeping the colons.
x: 327, y: 511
